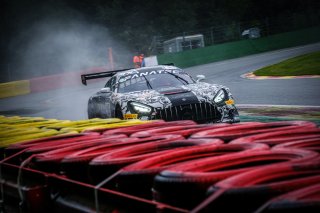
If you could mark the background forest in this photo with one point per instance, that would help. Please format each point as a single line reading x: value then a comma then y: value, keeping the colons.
x: 61, y: 35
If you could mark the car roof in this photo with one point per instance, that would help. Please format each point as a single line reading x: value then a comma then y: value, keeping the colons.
x: 148, y: 69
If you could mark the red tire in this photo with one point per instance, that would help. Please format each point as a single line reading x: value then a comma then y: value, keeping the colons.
x: 172, y: 186
x: 184, y: 130
x: 45, y: 147
x: 70, y: 138
x: 132, y: 129
x: 306, y: 199
x: 283, y: 136
x: 249, y: 190
x: 309, y: 144
x: 144, y: 127
x: 137, y: 178
x: 48, y: 158
x: 104, y: 165
x: 251, y: 128
x: 77, y: 162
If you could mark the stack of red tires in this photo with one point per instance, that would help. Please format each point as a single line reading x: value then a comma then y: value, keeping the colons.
x: 177, y: 166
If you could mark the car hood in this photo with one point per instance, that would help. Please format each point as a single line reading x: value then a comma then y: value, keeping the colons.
x: 164, y: 97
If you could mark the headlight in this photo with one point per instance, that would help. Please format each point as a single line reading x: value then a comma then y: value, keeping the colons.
x: 220, y: 96
x: 141, y: 108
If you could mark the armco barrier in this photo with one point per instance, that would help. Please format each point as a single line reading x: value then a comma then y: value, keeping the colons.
x: 45, y: 83
x: 27, y: 185
x: 14, y: 88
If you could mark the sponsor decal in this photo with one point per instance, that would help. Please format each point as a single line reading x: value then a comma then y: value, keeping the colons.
x: 140, y: 74
x: 130, y: 116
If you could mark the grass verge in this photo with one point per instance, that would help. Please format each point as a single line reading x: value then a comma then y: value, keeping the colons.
x: 308, y: 64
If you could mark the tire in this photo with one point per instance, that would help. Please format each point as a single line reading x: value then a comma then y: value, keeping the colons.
x: 137, y: 178
x: 106, y: 164
x: 251, y: 189
x: 77, y: 162
x: 247, y: 129
x: 282, y: 136
x: 130, y: 131
x: 47, y: 144
x: 174, y: 185
x: 50, y: 161
x: 307, y: 143
x: 301, y: 200
x: 184, y: 130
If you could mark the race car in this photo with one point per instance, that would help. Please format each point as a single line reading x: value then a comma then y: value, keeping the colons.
x: 163, y: 92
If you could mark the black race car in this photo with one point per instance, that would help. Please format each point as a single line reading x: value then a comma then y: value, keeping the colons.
x: 160, y: 92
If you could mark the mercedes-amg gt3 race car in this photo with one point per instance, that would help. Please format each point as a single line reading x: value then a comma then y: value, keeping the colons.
x: 160, y: 92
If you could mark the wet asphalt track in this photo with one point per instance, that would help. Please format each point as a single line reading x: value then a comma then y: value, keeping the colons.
x: 71, y: 103
x: 271, y: 92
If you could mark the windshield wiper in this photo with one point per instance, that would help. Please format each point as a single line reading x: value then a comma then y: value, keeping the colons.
x: 178, y: 77
x: 148, y: 83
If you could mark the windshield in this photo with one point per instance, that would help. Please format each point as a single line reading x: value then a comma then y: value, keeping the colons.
x: 153, y: 81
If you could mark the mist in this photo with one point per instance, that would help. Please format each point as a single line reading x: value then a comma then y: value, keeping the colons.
x: 62, y: 42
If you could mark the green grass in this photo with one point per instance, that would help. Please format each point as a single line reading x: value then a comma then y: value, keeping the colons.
x: 308, y: 64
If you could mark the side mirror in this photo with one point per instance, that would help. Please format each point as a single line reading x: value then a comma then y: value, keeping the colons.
x: 105, y: 90
x: 200, y: 78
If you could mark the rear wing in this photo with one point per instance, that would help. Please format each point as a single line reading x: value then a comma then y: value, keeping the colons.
x: 105, y: 74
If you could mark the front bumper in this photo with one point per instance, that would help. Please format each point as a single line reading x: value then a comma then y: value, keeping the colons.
x: 199, y: 112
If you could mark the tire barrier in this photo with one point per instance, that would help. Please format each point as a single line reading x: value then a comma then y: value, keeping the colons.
x: 184, y: 130
x: 172, y: 186
x: 55, y: 141
x: 252, y: 128
x: 132, y: 129
x: 21, y: 129
x: 157, y: 166
x: 137, y: 179
x: 78, y: 162
x: 148, y: 126
x: 302, y: 200
x: 50, y: 161
x: 278, y: 137
x: 113, y: 161
x: 249, y: 190
x: 308, y: 143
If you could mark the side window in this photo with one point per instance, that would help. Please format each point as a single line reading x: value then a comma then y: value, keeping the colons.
x: 113, y: 83
x: 108, y: 84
